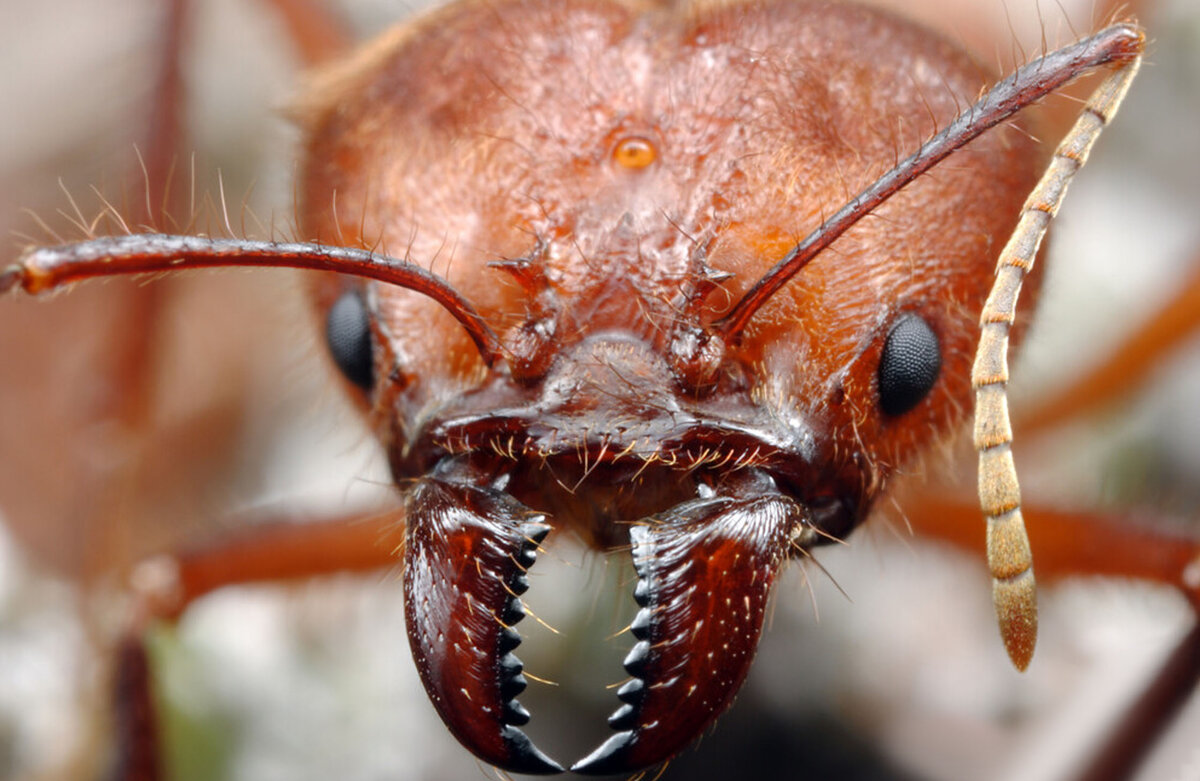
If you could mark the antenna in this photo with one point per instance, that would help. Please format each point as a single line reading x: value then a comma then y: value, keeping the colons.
x: 1014, y: 591
x: 1118, y: 43
x: 46, y: 268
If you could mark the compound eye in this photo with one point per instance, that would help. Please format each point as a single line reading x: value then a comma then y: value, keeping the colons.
x: 911, y: 361
x: 348, y: 334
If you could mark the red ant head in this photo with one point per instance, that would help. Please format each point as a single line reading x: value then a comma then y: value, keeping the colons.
x: 604, y: 183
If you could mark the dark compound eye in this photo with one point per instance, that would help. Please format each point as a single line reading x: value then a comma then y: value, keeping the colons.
x: 911, y: 361
x: 348, y: 333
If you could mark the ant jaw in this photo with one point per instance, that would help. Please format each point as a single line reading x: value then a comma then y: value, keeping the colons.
x: 705, y: 572
x: 467, y: 551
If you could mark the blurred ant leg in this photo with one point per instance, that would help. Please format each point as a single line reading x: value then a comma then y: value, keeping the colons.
x: 320, y: 34
x: 277, y: 551
x: 127, y: 367
x: 1134, y: 735
x: 1069, y: 544
x: 167, y: 584
x: 135, y: 728
x: 1127, y: 366
x: 163, y: 136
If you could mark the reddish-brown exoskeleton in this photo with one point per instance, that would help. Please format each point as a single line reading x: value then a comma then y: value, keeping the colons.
x: 626, y: 339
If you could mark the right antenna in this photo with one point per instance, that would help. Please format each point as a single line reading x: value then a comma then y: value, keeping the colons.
x: 1014, y: 592
x: 1120, y: 43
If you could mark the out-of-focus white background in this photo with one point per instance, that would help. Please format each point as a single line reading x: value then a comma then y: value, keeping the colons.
x: 902, y: 676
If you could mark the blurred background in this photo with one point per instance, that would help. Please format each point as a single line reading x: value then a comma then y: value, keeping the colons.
x: 894, y: 672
